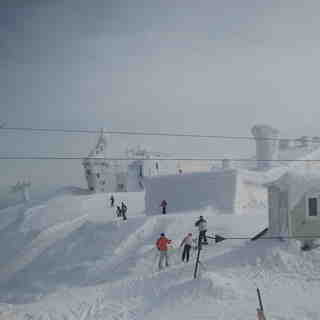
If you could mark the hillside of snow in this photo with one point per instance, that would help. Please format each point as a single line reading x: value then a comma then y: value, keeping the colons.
x: 70, y: 258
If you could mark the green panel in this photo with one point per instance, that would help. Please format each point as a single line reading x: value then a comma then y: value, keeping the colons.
x: 301, y: 226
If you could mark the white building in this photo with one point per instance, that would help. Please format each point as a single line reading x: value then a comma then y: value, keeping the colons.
x: 98, y: 171
x: 294, y: 205
x: 143, y: 164
x: 120, y: 176
x: 227, y: 190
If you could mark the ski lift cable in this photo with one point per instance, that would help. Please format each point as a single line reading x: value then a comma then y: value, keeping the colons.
x: 159, y: 134
x: 151, y: 159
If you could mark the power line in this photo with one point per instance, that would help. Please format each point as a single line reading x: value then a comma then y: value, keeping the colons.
x: 144, y: 133
x: 149, y: 159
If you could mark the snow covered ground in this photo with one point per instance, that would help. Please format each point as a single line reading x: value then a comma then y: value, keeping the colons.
x: 70, y: 258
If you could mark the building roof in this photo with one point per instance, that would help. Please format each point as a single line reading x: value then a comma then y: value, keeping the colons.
x: 298, y: 182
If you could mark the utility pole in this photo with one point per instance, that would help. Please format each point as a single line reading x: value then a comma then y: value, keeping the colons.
x: 260, y: 311
x: 217, y: 239
x: 198, y: 259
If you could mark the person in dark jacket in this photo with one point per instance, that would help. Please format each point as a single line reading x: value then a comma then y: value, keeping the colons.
x: 201, y: 223
x: 163, y: 205
x: 124, y: 211
x: 187, y: 243
x: 112, y: 201
x: 119, y: 211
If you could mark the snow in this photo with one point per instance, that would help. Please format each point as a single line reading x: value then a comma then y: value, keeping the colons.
x: 70, y: 257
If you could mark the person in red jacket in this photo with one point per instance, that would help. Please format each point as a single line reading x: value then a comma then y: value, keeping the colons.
x: 162, y: 245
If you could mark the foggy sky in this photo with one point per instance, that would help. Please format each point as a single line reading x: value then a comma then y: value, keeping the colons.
x: 208, y: 67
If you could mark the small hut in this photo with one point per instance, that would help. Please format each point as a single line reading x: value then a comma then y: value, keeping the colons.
x: 294, y: 206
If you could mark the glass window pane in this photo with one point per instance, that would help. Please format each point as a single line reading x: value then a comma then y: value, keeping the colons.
x: 313, y: 210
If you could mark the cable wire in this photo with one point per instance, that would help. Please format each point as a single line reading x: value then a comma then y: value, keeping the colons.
x: 159, y: 134
x: 150, y: 159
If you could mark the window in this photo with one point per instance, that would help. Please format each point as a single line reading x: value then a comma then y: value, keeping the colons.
x: 88, y: 172
x: 312, y: 207
x: 98, y: 175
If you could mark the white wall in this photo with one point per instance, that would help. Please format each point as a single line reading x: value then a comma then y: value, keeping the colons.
x: 250, y: 195
x: 191, y: 191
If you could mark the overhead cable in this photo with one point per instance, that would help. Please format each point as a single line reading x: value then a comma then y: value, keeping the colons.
x: 149, y: 159
x: 145, y: 133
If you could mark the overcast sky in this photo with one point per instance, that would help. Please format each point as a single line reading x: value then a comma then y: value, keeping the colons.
x: 207, y: 66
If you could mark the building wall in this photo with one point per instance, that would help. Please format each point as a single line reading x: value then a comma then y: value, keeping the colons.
x: 274, y: 210
x: 301, y: 225
x: 249, y: 195
x: 121, y: 182
x: 191, y: 191
x: 99, y: 176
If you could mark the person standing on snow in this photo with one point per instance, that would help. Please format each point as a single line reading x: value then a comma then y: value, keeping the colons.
x: 162, y: 245
x: 201, y: 223
x: 163, y: 205
x: 124, y: 211
x: 119, y: 211
x: 112, y: 201
x: 187, y: 242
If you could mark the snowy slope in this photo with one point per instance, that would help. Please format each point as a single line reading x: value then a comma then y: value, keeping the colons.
x: 71, y: 258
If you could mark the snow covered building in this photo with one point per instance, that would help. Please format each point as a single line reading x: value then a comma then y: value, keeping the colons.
x: 142, y: 165
x: 145, y: 164
x: 294, y: 205
x: 98, y: 171
x: 228, y: 190
x: 233, y: 187
x: 121, y: 176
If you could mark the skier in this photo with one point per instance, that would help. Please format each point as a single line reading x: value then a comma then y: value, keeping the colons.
x: 119, y: 211
x: 187, y: 242
x: 124, y: 211
x: 112, y: 201
x: 162, y: 245
x: 202, y: 226
x: 163, y: 205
